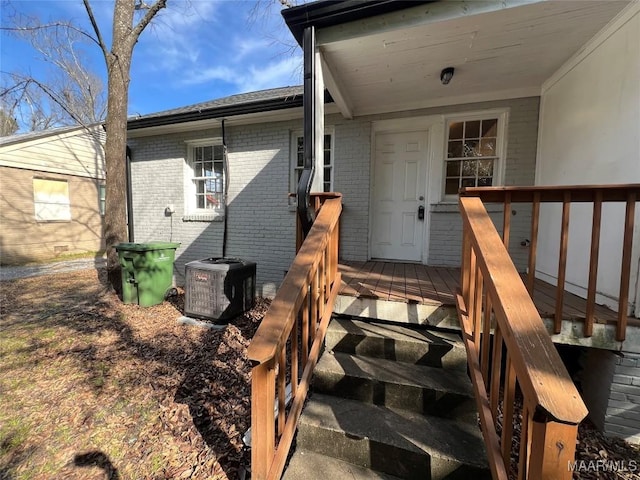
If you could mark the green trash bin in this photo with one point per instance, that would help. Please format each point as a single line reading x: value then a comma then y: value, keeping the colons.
x: 147, y: 271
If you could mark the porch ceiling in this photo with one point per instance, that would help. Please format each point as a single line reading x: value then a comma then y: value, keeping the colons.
x: 382, y: 65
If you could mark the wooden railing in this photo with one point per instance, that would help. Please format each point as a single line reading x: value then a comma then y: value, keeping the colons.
x: 566, y: 195
x: 520, y: 363
x: 289, y: 340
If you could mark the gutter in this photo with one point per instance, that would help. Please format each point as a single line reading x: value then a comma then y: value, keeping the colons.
x: 216, y: 113
x: 329, y: 13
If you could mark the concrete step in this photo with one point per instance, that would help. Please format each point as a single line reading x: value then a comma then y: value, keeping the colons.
x: 306, y: 465
x: 398, y: 442
x: 418, y: 388
x: 395, y: 342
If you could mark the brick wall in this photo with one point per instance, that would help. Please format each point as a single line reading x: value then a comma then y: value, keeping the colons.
x: 260, y: 222
x: 623, y: 410
x: 23, y: 239
x: 260, y: 219
x: 445, y: 242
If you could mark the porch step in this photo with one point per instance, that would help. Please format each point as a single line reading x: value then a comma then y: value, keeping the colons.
x: 418, y: 388
x: 398, y: 442
x: 389, y: 402
x: 307, y: 465
x: 395, y: 342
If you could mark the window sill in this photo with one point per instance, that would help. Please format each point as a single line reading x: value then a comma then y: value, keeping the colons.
x: 203, y: 217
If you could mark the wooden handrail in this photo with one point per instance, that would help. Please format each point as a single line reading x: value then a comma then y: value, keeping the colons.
x: 298, y: 317
x: 566, y: 195
x: 552, y: 193
x: 492, y: 290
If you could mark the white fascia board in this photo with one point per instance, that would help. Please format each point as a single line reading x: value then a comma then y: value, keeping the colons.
x: 415, y: 16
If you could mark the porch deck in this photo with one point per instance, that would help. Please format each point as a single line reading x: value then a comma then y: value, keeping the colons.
x: 420, y: 294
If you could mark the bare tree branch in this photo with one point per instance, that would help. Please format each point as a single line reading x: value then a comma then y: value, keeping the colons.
x: 146, y: 19
x: 34, y: 28
x: 96, y: 29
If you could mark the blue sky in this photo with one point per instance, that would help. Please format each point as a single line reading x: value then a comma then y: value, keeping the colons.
x: 193, y: 51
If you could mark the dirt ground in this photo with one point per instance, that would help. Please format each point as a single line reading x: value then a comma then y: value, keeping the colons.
x: 95, y: 389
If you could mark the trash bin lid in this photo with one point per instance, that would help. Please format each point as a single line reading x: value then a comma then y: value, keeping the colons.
x: 143, y: 247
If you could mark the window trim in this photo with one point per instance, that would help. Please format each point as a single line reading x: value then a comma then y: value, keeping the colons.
x: 102, y: 199
x: 502, y: 116
x: 191, y: 211
x: 293, y: 157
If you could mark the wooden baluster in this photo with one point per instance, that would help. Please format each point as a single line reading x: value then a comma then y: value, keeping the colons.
x: 627, y: 244
x: 486, y: 339
x: 315, y: 296
x: 507, y: 411
x: 282, y: 388
x: 306, y: 306
x: 477, y: 309
x: 506, y: 222
x: 262, y: 419
x: 294, y: 358
x: 562, y: 262
x: 470, y: 302
x: 496, y: 367
x: 465, y: 270
x: 336, y: 250
x: 523, y: 457
x: 553, y: 446
x: 321, y: 287
x: 533, y: 248
x: 593, y: 264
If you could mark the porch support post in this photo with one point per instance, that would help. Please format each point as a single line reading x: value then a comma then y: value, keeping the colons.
x: 311, y: 177
x: 318, y: 92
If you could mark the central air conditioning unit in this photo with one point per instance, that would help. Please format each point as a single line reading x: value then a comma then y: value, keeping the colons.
x: 219, y: 288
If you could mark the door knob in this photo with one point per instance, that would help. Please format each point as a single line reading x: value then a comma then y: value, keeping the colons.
x: 421, y: 212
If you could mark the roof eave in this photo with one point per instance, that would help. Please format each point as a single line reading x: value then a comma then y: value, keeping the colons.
x: 329, y: 13
x: 216, y: 112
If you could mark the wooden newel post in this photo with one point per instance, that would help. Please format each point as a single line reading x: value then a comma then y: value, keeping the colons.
x: 263, y: 392
x: 553, y: 450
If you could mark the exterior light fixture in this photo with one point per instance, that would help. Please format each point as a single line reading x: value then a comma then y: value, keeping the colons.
x: 446, y: 75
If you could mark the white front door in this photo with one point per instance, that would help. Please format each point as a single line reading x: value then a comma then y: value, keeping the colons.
x: 399, y: 184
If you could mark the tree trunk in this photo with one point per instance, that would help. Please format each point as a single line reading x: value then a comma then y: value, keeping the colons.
x: 119, y: 66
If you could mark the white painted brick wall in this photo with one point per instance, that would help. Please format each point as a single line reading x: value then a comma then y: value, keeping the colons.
x: 623, y: 410
x: 445, y: 242
x: 261, y: 222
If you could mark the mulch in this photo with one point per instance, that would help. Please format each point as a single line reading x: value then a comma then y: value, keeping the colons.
x: 193, y: 384
x: 106, y: 390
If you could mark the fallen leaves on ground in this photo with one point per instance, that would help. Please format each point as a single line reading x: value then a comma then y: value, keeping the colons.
x: 598, y: 457
x: 95, y: 389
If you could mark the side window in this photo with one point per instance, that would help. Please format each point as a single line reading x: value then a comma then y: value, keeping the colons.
x: 473, y: 153
x: 204, y: 181
x: 297, y: 161
x: 102, y: 199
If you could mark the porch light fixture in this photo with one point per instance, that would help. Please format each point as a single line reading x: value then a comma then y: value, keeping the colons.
x: 446, y: 75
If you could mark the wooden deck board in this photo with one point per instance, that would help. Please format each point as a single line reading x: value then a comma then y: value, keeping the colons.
x: 421, y: 284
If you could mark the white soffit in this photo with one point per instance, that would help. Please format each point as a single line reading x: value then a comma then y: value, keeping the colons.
x: 497, y: 51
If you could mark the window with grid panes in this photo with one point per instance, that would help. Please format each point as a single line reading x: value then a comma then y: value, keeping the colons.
x: 472, y: 154
x: 208, y: 177
x: 298, y: 161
